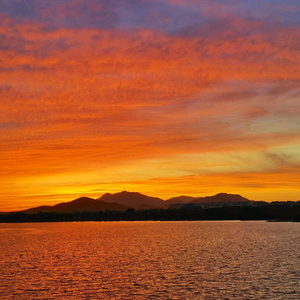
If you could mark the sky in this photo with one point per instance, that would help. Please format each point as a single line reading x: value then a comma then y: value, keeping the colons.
x: 165, y: 97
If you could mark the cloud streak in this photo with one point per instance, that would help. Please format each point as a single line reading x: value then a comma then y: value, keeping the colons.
x: 102, y: 87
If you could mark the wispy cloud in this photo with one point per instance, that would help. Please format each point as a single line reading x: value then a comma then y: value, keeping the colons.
x: 95, y: 87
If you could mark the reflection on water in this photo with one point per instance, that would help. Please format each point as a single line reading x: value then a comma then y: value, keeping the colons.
x: 150, y: 260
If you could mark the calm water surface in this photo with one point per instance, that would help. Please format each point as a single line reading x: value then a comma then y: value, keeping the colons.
x: 150, y: 260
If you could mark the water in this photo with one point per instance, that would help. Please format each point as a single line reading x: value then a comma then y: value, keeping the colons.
x: 150, y: 260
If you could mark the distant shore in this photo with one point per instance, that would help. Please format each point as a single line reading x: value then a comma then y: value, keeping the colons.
x: 272, y: 213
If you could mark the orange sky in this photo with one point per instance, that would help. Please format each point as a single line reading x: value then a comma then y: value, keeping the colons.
x: 161, y: 97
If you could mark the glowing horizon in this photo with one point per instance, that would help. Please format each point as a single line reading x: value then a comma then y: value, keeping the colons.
x: 164, y: 98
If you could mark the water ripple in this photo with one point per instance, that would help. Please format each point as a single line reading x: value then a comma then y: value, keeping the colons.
x: 150, y: 260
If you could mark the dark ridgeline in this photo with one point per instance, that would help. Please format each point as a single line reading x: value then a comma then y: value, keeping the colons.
x: 178, y: 200
x: 133, y: 200
x: 110, y: 207
x: 221, y: 197
x: 140, y: 201
x: 80, y: 205
x: 125, y: 200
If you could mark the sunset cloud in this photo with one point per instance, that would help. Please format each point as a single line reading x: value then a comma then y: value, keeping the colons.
x: 93, y: 91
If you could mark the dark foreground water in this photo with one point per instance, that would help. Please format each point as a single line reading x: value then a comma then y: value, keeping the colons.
x: 150, y: 260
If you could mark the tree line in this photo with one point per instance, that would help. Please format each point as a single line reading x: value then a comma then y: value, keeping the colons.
x: 280, y: 212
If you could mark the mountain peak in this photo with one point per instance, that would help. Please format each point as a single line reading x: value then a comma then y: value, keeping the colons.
x: 130, y: 193
x: 127, y: 193
x: 132, y: 199
x: 106, y: 194
x: 124, y: 200
x: 83, y: 199
x: 180, y: 199
x: 80, y: 204
x: 221, y: 197
x: 226, y: 194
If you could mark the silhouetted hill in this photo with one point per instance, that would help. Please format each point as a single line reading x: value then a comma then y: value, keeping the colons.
x: 221, y: 197
x: 125, y: 200
x: 80, y: 204
x: 133, y: 200
x: 180, y: 199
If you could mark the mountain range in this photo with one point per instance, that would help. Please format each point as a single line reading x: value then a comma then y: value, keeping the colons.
x: 80, y: 204
x: 125, y: 200
x: 221, y: 197
x: 132, y: 200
